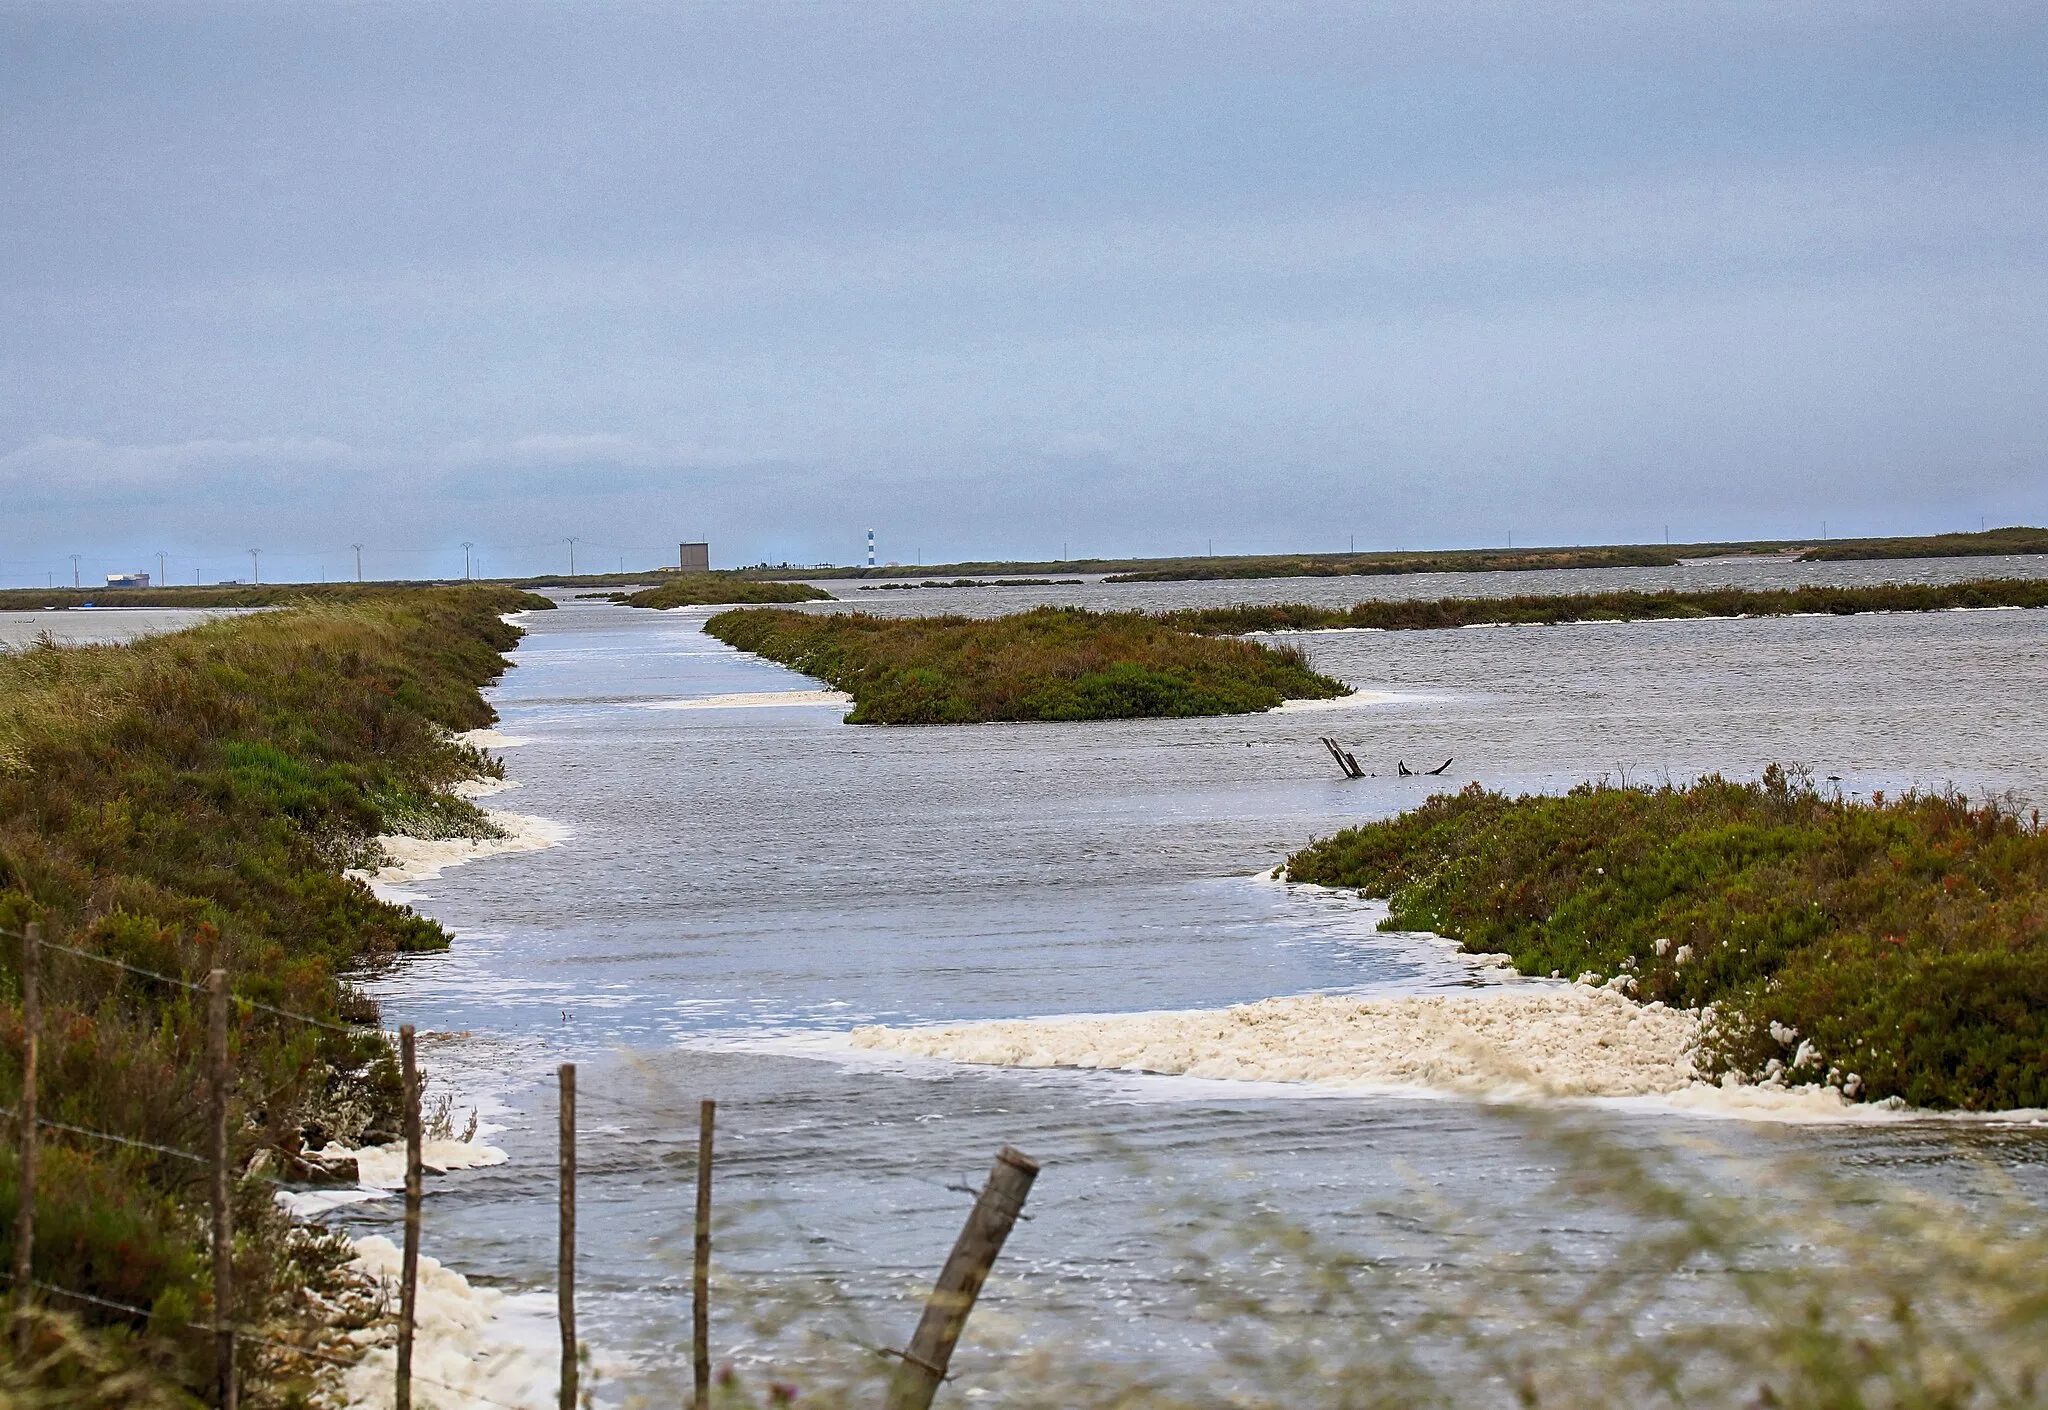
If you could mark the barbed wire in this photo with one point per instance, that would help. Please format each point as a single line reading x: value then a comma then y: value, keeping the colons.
x: 187, y: 984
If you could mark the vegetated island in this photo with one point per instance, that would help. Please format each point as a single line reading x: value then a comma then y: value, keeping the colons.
x: 1052, y: 663
x: 718, y: 589
x: 193, y: 800
x: 1427, y: 614
x: 1895, y: 947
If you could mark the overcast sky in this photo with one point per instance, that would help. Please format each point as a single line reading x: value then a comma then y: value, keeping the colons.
x: 1008, y: 279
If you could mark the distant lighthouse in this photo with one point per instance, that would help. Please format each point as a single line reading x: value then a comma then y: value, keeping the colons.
x: 871, y: 548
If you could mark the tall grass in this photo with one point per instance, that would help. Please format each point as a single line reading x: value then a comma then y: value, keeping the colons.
x: 1052, y: 663
x: 1425, y: 615
x: 1679, y: 1275
x: 189, y: 801
x: 1898, y: 947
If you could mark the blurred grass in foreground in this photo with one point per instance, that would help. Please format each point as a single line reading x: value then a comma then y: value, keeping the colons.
x: 1679, y: 1275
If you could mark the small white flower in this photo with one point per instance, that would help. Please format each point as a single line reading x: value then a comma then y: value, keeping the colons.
x: 1663, y: 945
x: 1684, y: 954
x: 1783, y: 1036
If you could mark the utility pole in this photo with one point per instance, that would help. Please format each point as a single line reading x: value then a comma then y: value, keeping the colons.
x: 359, y: 560
x: 256, y: 565
x: 162, y: 579
x: 572, y: 555
x: 74, y: 569
x: 466, y: 547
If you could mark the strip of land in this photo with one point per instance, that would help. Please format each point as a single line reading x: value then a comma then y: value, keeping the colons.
x: 1443, y: 612
x: 718, y: 589
x: 189, y: 801
x: 1993, y: 542
x: 1053, y: 663
x: 1901, y: 943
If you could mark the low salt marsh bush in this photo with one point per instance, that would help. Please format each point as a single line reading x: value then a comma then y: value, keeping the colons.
x: 188, y: 801
x: 1421, y: 614
x: 1052, y: 663
x: 1898, y: 947
x: 703, y: 589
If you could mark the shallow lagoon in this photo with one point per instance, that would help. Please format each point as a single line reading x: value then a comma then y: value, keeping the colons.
x: 743, y: 885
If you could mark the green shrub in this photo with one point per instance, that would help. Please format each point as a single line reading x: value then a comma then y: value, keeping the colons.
x: 1904, y: 940
x: 703, y: 589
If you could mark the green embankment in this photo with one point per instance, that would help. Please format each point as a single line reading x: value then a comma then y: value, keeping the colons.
x: 1053, y: 663
x: 718, y: 589
x: 1903, y: 940
x: 192, y: 800
x: 1429, y: 614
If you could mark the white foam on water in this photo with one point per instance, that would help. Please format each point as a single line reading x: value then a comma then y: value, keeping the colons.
x: 753, y: 699
x: 482, y: 787
x: 1358, y: 699
x: 492, y: 739
x: 413, y: 859
x: 1519, y: 1042
x: 473, y: 1348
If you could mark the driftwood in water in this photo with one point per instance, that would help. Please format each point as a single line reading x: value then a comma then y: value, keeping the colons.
x: 1439, y: 768
x: 1344, y: 759
x: 1406, y: 772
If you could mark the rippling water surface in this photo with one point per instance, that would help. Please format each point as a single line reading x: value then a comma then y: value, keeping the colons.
x: 742, y: 886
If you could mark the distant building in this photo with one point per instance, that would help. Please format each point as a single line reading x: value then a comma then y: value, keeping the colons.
x: 695, y: 558
x: 127, y: 580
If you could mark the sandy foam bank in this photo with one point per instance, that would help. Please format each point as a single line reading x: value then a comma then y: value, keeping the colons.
x: 382, y: 1168
x: 1514, y: 1042
x: 411, y: 859
x: 472, y: 1346
x: 1353, y: 701
x: 753, y: 699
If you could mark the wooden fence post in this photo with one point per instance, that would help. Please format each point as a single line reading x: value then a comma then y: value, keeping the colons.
x: 409, y: 1263
x: 565, y: 1249
x: 25, y: 1213
x: 1002, y: 1199
x: 700, y: 1282
x: 223, y: 1207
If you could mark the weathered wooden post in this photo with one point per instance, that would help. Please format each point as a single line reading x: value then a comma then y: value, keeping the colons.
x: 409, y: 1263
x: 223, y: 1208
x: 25, y: 1213
x: 565, y: 1250
x: 700, y: 1282
x: 967, y: 1267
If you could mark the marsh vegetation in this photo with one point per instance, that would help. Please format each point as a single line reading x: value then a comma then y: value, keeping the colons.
x: 713, y: 589
x: 1052, y: 663
x: 191, y: 801
x: 1421, y: 614
x: 1895, y: 947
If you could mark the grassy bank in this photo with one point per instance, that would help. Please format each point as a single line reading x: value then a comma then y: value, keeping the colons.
x: 1437, y: 613
x: 702, y: 589
x: 1904, y: 941
x: 188, y: 801
x: 1054, y: 663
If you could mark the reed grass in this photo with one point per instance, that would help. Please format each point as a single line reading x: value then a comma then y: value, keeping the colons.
x: 1896, y: 947
x: 1052, y: 663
